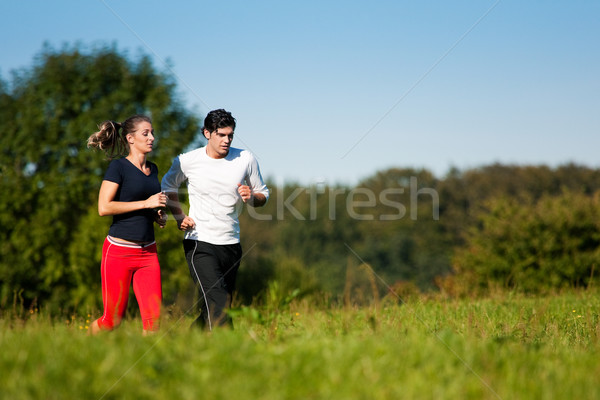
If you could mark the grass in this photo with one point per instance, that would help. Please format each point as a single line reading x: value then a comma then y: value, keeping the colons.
x: 507, y: 347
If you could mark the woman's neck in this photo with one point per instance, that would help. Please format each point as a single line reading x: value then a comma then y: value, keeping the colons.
x: 137, y: 159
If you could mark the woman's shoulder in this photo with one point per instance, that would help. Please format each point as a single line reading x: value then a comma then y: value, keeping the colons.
x: 117, y: 162
x: 114, y: 172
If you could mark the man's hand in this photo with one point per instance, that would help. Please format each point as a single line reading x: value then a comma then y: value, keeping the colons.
x: 186, y: 223
x: 245, y: 192
x: 253, y: 199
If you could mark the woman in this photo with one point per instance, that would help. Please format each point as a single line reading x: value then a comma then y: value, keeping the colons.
x: 130, y: 192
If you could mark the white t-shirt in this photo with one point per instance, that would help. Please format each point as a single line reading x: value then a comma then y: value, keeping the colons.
x: 213, y: 191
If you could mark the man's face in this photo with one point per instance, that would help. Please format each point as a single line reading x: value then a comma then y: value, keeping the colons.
x: 219, y: 142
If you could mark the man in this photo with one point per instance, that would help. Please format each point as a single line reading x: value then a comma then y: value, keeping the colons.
x: 219, y: 179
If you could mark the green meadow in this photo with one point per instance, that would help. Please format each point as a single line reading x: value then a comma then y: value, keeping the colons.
x: 507, y: 346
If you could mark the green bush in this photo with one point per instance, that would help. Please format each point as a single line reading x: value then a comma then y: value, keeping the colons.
x: 534, y: 246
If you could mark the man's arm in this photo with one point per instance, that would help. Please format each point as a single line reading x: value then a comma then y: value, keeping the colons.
x: 258, y: 200
x: 170, y: 186
x: 256, y: 192
x: 184, y: 222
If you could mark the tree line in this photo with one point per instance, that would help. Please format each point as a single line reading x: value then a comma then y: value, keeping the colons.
x: 531, y: 228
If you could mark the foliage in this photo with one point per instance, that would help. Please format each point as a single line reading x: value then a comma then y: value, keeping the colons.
x: 386, y: 222
x: 464, y: 194
x: 51, y: 234
x: 397, y: 235
x: 410, y: 247
x: 535, y: 245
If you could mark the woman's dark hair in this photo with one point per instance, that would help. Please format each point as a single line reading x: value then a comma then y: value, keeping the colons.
x: 111, y: 135
x: 218, y: 119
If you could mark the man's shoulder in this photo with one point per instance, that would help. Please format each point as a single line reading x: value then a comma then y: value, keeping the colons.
x: 192, y: 154
x: 244, y: 154
x: 235, y: 152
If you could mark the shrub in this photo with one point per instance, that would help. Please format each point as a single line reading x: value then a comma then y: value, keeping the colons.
x: 534, y: 246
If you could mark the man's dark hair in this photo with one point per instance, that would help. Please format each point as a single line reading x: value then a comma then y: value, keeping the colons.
x: 218, y: 119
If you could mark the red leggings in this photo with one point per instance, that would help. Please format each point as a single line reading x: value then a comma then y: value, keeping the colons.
x: 121, y: 262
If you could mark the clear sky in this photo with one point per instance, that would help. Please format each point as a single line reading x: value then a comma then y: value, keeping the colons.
x: 334, y: 91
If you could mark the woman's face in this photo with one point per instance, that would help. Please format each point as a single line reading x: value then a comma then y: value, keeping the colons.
x: 142, y: 139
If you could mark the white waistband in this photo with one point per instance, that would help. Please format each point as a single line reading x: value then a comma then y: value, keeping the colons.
x: 131, y: 245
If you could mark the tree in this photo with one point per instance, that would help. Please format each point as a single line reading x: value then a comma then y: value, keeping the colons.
x: 49, y: 247
x: 533, y: 245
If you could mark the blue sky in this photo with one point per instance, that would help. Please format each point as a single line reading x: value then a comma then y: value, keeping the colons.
x: 334, y: 91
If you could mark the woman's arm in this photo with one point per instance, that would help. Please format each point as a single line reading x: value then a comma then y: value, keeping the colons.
x: 107, y: 205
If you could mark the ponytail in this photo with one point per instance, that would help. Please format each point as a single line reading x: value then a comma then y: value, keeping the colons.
x: 111, y: 136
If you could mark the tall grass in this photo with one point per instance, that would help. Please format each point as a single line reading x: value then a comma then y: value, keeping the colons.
x: 507, y: 347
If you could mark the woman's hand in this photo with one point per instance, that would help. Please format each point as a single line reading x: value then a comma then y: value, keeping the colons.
x: 160, y: 218
x: 157, y: 200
